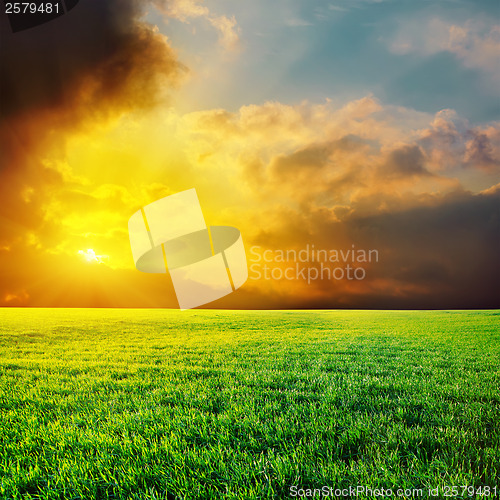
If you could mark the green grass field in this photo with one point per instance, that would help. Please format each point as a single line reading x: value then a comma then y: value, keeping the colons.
x: 150, y: 404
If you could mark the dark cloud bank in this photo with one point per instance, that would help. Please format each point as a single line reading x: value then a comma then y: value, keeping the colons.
x: 97, y: 55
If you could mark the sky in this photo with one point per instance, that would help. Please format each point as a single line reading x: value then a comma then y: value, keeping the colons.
x: 308, y: 125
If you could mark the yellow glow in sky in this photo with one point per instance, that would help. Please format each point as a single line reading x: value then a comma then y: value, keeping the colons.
x: 89, y: 255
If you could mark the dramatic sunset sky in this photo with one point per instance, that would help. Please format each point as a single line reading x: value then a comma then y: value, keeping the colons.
x: 373, y: 123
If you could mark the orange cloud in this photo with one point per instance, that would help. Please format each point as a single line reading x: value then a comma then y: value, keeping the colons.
x: 184, y: 10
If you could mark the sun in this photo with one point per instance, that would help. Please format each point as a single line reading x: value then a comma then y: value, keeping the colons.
x: 90, y: 256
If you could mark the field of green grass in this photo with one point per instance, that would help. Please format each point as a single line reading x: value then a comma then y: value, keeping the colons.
x: 159, y: 404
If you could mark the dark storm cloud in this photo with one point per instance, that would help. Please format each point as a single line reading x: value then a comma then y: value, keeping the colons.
x: 407, y: 161
x: 444, y: 256
x: 439, y: 256
x: 93, y: 53
x: 480, y: 152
